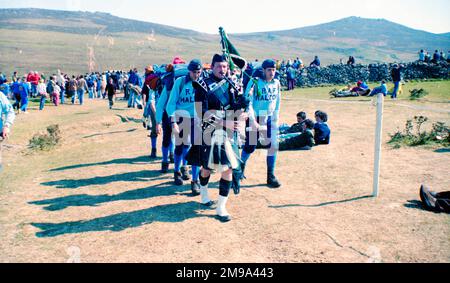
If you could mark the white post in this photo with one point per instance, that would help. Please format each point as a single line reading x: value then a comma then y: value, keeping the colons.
x: 378, y: 140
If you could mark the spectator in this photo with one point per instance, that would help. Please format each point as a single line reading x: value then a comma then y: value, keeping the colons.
x: 295, y: 128
x: 316, y: 62
x: 436, y: 57
x: 42, y: 92
x: 5, y: 88
x: 422, y: 56
x: 111, y: 92
x: 396, y: 78
x: 351, y: 61
x: 381, y: 89
x: 304, y: 141
x: 321, y: 130
x: 291, y: 77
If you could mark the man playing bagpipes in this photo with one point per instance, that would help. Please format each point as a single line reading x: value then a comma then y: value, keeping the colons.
x: 220, y: 107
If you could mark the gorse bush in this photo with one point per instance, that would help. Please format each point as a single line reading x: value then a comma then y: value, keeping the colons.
x: 417, y: 94
x: 46, y: 141
x: 439, y: 134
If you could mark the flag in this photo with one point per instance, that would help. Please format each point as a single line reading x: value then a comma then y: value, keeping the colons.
x: 235, y: 58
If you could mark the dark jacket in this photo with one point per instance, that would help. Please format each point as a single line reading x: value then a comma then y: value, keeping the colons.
x: 321, y: 134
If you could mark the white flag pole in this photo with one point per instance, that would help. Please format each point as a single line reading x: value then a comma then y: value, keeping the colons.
x: 378, y: 140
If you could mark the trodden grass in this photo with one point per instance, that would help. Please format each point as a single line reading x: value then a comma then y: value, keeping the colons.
x: 99, y: 192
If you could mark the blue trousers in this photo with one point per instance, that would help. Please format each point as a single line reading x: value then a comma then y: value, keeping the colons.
x: 42, y: 103
x: 396, y: 88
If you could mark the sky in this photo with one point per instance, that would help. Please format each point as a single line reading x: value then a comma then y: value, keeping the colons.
x: 242, y: 16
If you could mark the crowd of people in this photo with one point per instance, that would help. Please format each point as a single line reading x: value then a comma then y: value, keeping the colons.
x: 173, y: 97
x: 438, y: 56
x: 59, y: 87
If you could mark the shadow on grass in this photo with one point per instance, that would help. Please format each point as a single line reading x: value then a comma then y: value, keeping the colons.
x: 165, y: 189
x: 171, y: 213
x: 134, y: 160
x: 321, y: 204
x: 110, y: 133
x: 442, y: 150
x: 129, y: 119
x: 139, y: 176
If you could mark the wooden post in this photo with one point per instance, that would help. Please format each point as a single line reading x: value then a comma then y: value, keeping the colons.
x: 378, y: 141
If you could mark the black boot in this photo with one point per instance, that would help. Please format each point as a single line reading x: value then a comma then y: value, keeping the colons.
x: 185, y: 173
x: 177, y: 179
x: 164, y: 167
x: 171, y: 159
x: 195, y: 188
x: 153, y: 155
x: 272, y: 181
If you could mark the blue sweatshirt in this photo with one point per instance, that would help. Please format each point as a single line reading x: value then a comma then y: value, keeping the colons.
x: 7, y: 115
x: 161, y: 105
x: 15, y: 87
x: 5, y: 88
x: 135, y: 79
x: 268, y: 103
x: 182, y: 99
x: 24, y: 90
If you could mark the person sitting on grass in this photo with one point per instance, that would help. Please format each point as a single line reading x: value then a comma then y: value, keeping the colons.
x: 295, y: 128
x: 304, y: 141
x: 381, y: 89
x: 321, y: 130
x: 361, y: 88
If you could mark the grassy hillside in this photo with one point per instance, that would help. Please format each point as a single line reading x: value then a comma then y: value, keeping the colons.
x: 45, y: 40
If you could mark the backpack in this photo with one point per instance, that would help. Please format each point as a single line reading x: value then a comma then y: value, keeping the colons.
x: 50, y: 87
x: 152, y: 81
x: 72, y: 85
x: 90, y: 83
x: 169, y: 79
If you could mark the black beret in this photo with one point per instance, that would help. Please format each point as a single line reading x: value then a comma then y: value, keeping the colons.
x: 218, y: 59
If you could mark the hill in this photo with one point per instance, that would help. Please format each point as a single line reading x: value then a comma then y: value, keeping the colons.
x: 48, y: 40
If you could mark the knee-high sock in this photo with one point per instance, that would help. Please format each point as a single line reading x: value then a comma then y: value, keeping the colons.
x: 224, y: 187
x: 185, y: 152
x: 154, y: 140
x: 204, y: 189
x: 178, y: 159
x: 195, y: 173
x: 172, y: 146
x: 165, y: 154
x: 271, y: 160
x: 245, y: 156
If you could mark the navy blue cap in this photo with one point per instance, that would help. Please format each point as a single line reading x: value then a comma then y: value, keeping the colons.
x: 195, y: 65
x: 269, y: 63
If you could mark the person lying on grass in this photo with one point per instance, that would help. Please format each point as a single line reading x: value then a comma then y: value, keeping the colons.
x: 296, y: 141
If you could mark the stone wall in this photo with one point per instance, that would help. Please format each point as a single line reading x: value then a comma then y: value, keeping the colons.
x: 344, y: 74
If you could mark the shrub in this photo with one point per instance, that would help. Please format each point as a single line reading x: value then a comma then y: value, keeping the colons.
x: 440, y: 134
x: 46, y: 141
x: 417, y: 94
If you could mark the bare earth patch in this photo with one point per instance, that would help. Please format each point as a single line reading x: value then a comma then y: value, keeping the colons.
x: 98, y: 198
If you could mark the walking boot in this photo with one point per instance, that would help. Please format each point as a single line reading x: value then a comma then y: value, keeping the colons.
x: 272, y: 181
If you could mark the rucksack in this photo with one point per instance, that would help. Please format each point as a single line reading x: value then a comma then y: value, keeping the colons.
x: 72, y: 85
x: 50, y: 87
x: 169, y: 79
x: 152, y: 81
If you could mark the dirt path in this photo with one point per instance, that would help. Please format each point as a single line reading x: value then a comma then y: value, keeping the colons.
x: 98, y: 198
